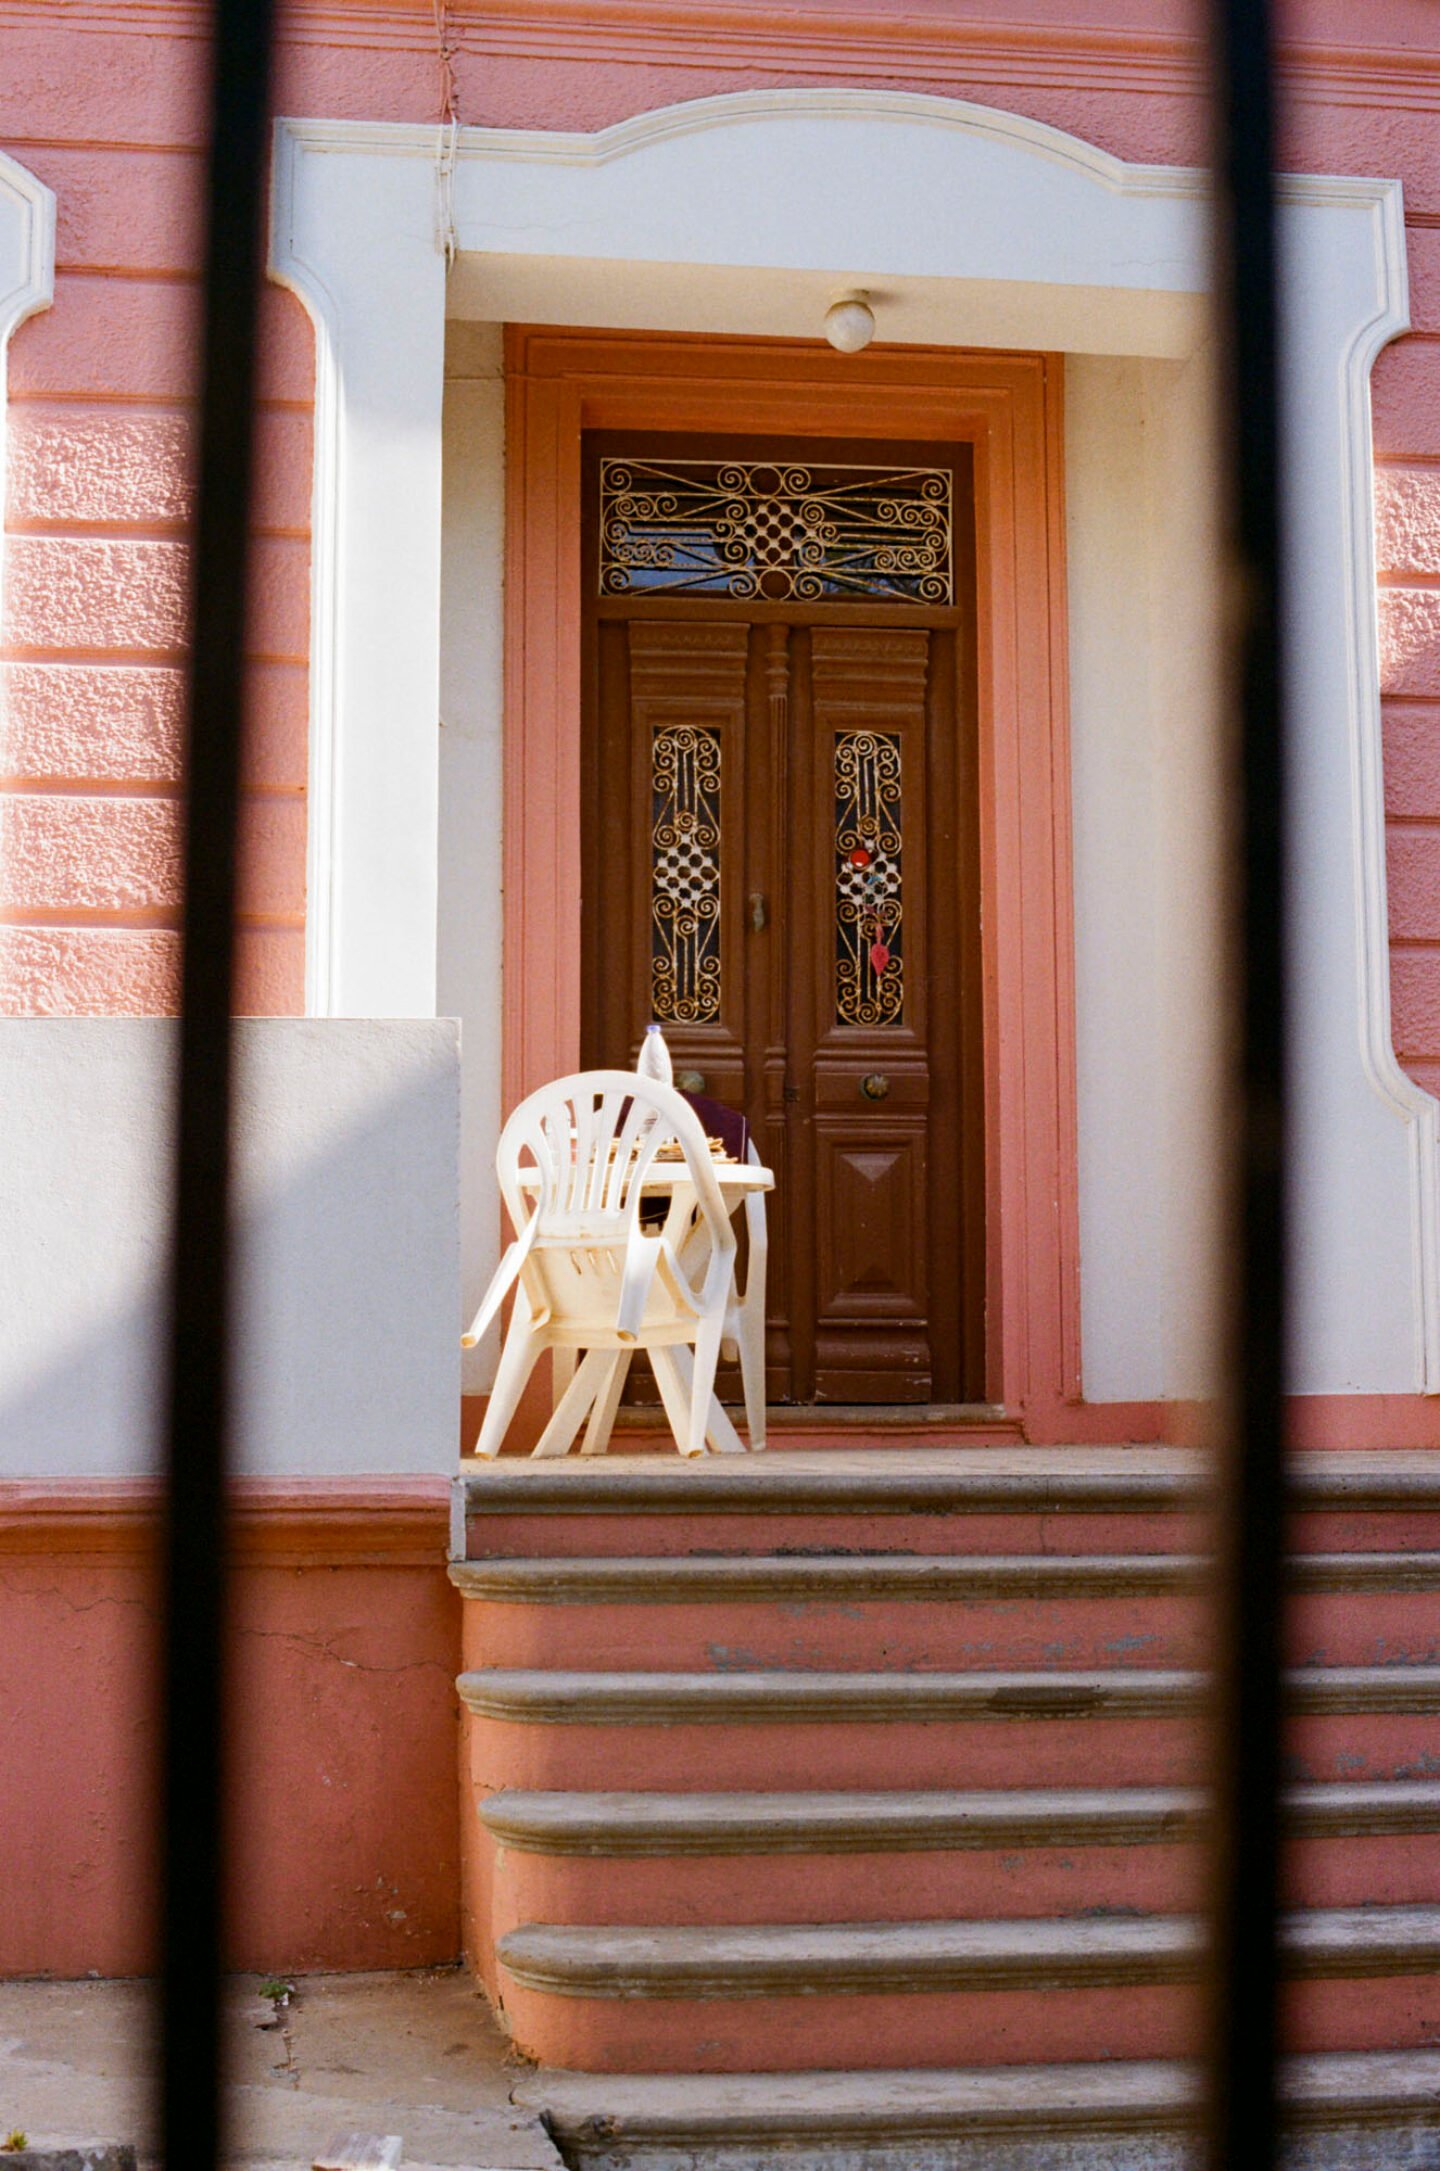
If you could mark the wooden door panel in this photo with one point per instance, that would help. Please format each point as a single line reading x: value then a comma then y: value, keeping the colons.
x: 871, y: 1330
x: 866, y: 1071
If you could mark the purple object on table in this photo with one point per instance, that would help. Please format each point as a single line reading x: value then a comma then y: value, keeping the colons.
x: 718, y: 1121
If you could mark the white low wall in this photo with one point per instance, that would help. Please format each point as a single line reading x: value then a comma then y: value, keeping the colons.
x: 349, y: 1307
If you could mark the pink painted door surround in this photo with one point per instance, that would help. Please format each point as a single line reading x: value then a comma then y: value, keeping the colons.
x: 1009, y: 409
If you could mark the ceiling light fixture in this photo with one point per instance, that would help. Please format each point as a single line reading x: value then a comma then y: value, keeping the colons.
x: 850, y: 323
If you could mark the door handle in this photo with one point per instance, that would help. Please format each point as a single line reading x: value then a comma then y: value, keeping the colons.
x: 875, y: 1087
x: 758, y: 912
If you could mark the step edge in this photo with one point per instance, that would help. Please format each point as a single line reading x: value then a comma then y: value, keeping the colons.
x: 895, y: 1486
x: 662, y: 1698
x: 560, y: 1824
x: 978, y: 2100
x: 564, y: 1697
x: 787, y: 1960
x: 905, y: 1828
x: 664, y: 1579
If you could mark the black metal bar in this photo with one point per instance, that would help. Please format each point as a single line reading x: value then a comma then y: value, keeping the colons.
x: 192, y: 1852
x: 1244, y: 2111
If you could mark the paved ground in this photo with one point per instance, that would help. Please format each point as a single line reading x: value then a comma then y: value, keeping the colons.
x: 416, y: 2055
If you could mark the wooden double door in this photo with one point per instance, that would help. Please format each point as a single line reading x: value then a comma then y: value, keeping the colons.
x: 780, y: 865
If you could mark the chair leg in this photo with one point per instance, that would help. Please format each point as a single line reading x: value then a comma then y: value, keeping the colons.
x: 572, y: 1406
x: 752, y: 1373
x: 719, y: 1432
x: 708, y: 1338
x: 562, y: 1371
x: 676, y: 1398
x: 517, y: 1361
x: 605, y: 1405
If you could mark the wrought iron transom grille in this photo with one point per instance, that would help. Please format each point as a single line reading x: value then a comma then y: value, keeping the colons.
x: 869, y: 907
x: 685, y: 875
x: 777, y: 532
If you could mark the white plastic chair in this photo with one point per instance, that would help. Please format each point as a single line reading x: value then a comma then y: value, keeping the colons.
x: 588, y: 1276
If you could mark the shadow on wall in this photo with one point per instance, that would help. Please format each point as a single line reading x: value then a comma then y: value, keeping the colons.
x: 345, y: 1805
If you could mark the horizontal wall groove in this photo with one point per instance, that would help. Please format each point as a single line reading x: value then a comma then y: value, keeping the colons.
x: 24, y: 652
x: 169, y: 403
x: 131, y: 275
x: 128, y: 918
x: 18, y: 785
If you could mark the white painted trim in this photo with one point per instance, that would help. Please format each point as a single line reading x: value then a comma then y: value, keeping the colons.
x: 647, y: 223
x: 321, y: 902
x: 1419, y: 1110
x: 695, y: 116
x: 345, y: 237
x: 27, y: 284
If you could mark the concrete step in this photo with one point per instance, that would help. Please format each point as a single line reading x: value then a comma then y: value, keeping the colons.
x: 926, y: 1611
x: 929, y: 1500
x: 907, y: 1855
x: 790, y: 1996
x: 771, y: 1729
x: 881, y: 1479
x: 1345, y: 2113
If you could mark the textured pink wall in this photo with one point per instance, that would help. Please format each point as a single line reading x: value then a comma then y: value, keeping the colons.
x: 1407, y: 532
x: 99, y: 491
x: 104, y: 105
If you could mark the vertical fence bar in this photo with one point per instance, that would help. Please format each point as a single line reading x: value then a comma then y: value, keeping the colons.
x: 1244, y: 2113
x: 194, y: 1537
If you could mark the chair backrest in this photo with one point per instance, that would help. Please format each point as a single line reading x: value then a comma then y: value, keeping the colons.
x: 588, y: 1143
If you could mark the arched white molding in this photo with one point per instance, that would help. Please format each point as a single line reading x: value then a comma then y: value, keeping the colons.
x: 354, y: 239
x: 27, y: 280
x: 970, y: 226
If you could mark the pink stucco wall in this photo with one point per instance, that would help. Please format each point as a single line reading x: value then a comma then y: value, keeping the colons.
x: 104, y: 103
x: 346, y: 1641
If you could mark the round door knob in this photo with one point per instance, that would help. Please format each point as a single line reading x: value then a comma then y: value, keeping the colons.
x: 690, y: 1081
x: 876, y: 1086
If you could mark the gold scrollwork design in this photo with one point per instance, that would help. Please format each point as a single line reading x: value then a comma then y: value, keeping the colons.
x: 685, y: 875
x: 869, y: 902
x: 779, y: 531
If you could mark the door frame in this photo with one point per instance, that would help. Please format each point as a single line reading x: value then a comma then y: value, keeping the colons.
x: 1009, y: 407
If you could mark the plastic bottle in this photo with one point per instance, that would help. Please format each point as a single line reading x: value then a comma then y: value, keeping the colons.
x: 654, y: 1058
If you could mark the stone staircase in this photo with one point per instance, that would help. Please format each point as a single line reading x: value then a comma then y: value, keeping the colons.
x: 819, y: 1783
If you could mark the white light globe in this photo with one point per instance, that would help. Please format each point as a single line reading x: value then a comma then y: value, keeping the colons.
x: 850, y: 324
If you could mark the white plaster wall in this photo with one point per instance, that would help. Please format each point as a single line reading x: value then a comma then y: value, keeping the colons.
x: 1119, y: 991
x: 1184, y: 606
x: 348, y: 1328
x: 469, y: 961
x: 1145, y: 733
